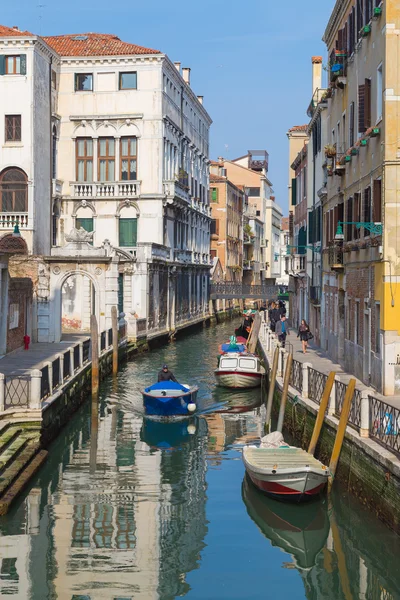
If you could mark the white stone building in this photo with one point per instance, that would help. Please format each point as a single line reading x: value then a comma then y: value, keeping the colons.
x: 107, y: 137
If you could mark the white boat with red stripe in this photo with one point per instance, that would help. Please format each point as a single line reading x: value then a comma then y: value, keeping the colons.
x: 239, y: 370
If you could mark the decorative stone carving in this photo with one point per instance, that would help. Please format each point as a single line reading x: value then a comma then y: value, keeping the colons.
x: 98, y: 271
x: 79, y: 236
x: 56, y: 270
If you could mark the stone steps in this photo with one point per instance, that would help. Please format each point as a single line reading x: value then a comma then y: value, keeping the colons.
x: 25, y: 455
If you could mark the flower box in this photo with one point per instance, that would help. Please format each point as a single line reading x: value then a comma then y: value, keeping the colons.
x: 348, y: 158
x: 364, y: 142
x: 366, y: 30
x: 375, y: 131
x: 377, y: 11
x: 354, y: 151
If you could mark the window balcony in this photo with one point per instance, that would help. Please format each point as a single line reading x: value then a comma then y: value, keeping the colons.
x: 10, y: 220
x: 182, y: 256
x: 109, y: 189
x: 177, y: 189
x: 335, y: 256
x: 248, y: 239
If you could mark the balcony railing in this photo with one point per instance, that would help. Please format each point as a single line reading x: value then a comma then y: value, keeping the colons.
x: 177, y: 189
x: 10, y: 220
x: 110, y: 189
x: 335, y: 256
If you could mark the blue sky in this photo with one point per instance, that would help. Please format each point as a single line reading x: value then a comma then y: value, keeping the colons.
x: 250, y: 60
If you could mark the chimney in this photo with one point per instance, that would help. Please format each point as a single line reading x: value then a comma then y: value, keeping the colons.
x: 186, y: 75
x: 221, y: 160
x: 15, y: 27
x: 178, y: 66
x: 200, y: 99
x: 316, y: 73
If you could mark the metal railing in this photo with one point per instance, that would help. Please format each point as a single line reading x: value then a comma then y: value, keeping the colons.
x: 16, y: 391
x: 87, y: 344
x: 316, y: 384
x: 355, y: 410
x: 384, y: 424
x: 296, y: 375
x: 45, y: 382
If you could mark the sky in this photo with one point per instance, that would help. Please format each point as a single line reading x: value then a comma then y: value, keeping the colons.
x: 250, y: 60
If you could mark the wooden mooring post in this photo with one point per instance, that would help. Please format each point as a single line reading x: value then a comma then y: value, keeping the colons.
x: 321, y: 412
x: 271, y: 389
x: 344, y: 417
x: 95, y: 358
x: 285, y: 391
x: 114, y: 324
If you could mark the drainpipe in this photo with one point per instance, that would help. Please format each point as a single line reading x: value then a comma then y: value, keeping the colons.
x: 51, y: 158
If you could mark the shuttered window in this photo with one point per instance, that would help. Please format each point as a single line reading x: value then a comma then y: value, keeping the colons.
x: 13, y: 64
x: 349, y: 218
x: 377, y: 201
x: 311, y: 233
x: 294, y: 191
x: 214, y: 195
x: 367, y: 104
x: 357, y: 215
x: 366, y: 208
x: 359, y: 17
x: 351, y: 125
x: 361, y: 107
x: 127, y: 233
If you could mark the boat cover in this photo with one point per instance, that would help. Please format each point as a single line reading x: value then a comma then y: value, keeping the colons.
x: 236, y: 348
x: 167, y: 385
x: 273, y: 440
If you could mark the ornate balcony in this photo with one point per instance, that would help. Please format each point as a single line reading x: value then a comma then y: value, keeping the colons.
x: 177, y: 189
x: 10, y: 220
x: 335, y: 256
x: 109, y: 189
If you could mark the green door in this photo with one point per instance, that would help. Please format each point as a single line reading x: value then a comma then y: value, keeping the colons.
x: 127, y: 233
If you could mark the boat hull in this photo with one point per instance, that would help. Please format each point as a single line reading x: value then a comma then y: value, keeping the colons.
x: 238, y: 379
x: 169, y: 406
x: 300, y: 488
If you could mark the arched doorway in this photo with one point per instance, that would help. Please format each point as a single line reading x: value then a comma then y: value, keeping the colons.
x: 78, y: 303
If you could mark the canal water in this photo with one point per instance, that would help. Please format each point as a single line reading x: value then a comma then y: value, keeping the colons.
x: 146, y: 510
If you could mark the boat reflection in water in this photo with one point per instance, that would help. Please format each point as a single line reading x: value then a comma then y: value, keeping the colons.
x: 172, y: 434
x: 299, y: 530
x: 237, y: 402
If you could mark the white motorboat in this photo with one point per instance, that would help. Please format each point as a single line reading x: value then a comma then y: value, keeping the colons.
x: 239, y: 370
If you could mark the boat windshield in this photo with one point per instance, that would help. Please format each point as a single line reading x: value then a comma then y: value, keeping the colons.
x: 228, y: 363
x: 248, y: 363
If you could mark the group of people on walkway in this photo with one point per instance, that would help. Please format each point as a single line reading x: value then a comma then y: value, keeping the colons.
x: 279, y: 325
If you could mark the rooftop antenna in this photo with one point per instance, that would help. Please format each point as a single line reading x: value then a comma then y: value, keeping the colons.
x: 40, y: 6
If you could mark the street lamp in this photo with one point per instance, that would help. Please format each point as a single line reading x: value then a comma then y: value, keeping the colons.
x: 16, y: 232
x: 375, y: 228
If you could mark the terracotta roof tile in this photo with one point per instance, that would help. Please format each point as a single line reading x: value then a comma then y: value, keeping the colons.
x: 316, y: 60
x: 94, y: 44
x: 299, y: 128
x: 217, y: 178
x: 13, y: 32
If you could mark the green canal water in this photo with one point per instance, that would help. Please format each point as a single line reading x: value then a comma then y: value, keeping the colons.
x: 148, y: 510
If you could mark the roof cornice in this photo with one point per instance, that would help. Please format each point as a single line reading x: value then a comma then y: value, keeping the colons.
x: 334, y: 21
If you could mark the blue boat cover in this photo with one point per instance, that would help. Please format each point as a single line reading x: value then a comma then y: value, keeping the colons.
x: 167, y: 385
x: 237, y: 348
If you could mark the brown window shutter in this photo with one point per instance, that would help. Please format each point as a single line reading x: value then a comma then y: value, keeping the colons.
x: 367, y: 104
x: 377, y: 201
x: 340, y: 40
x: 345, y: 38
x: 361, y: 108
x: 366, y: 215
x: 349, y: 218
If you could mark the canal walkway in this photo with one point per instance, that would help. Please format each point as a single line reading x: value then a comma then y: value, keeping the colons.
x: 321, y: 362
x: 22, y: 361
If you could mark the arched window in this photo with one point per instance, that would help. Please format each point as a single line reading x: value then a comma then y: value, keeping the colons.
x: 14, y: 191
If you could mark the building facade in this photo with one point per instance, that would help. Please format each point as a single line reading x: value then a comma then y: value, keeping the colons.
x: 360, y: 213
x: 106, y: 153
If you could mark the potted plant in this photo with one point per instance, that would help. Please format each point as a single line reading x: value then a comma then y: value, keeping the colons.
x: 330, y: 150
x: 354, y: 151
x: 366, y: 30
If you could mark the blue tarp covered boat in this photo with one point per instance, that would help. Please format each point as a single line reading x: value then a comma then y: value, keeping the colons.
x: 168, y: 398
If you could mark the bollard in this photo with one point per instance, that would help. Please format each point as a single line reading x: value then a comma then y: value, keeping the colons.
x: 364, y: 429
x: 95, y: 358
x: 35, y: 392
x: 271, y: 389
x: 2, y: 391
x: 305, y: 390
x: 285, y: 391
x: 114, y: 322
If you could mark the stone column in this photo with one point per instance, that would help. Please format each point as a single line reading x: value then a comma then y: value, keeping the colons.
x: 332, y: 397
x: 111, y: 294
x: 35, y: 395
x: 365, y: 418
x: 305, y: 387
x: 2, y: 391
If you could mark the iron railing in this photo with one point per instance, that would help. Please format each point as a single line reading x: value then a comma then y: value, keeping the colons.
x: 230, y: 291
x: 355, y: 410
x: 316, y: 384
x: 16, y: 391
x: 296, y: 376
x: 86, y: 351
x: 45, y: 382
x: 384, y: 426
x: 103, y: 340
x: 76, y: 357
x: 56, y: 373
x: 67, y: 365
x: 110, y: 337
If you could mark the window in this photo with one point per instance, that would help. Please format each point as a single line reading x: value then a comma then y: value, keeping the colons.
x: 53, y: 80
x: 367, y: 208
x: 357, y: 214
x: 85, y: 223
x: 305, y: 182
x: 213, y: 254
x: 294, y: 191
x: 128, y: 232
x: 228, y: 363
x: 357, y: 323
x: 247, y: 363
x: 14, y: 191
x: 13, y: 318
x: 349, y: 219
x: 351, y: 125
x: 377, y: 201
x: 106, y: 159
x: 364, y: 106
x: 13, y: 128
x: 128, y: 159
x: 254, y: 192
x: 13, y: 65
x: 128, y: 81
x: 54, y: 153
x: 84, y: 159
x: 379, y: 92
x: 84, y: 82
x: 377, y: 328
x: 214, y: 195
x: 214, y: 227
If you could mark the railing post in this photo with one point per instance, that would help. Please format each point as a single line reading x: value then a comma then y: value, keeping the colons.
x: 71, y: 362
x: 281, y: 362
x: 332, y: 399
x: 364, y: 429
x: 61, y: 358
x: 49, y: 365
x: 2, y: 391
x: 80, y: 354
x: 35, y: 395
x: 305, y: 390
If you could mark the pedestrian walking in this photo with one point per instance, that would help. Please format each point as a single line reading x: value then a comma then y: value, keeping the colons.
x: 282, y: 330
x: 274, y: 316
x: 304, y: 334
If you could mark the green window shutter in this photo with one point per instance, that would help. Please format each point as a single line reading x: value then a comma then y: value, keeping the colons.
x: 294, y: 191
x: 214, y: 195
x: 86, y: 224
x: 310, y: 227
x: 128, y: 232
x: 23, y: 64
x: 120, y: 293
x: 2, y: 64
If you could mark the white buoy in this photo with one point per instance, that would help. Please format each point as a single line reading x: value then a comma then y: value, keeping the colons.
x: 191, y: 429
x: 191, y: 407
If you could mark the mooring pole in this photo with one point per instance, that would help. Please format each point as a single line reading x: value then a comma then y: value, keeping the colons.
x: 271, y: 390
x: 321, y: 412
x: 95, y: 357
x: 285, y: 392
x: 114, y: 322
x: 344, y: 417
